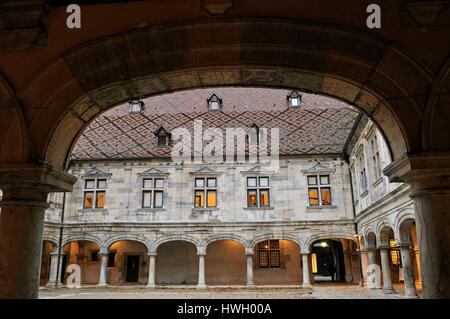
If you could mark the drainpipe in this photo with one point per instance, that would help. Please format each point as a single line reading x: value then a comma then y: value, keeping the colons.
x: 60, y: 239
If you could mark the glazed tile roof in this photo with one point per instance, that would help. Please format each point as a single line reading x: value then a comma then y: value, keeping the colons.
x: 321, y: 125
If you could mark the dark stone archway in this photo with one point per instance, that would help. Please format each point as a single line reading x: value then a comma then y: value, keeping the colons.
x: 396, y: 75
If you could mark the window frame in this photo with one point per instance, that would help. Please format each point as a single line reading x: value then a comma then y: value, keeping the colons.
x: 394, y: 254
x: 375, y: 160
x: 205, y: 189
x: 152, y: 190
x: 95, y: 190
x: 113, y: 259
x: 318, y: 186
x: 268, y: 252
x: 258, y: 189
x: 362, y: 173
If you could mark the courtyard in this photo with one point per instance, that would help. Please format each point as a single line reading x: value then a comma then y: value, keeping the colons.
x: 319, y: 291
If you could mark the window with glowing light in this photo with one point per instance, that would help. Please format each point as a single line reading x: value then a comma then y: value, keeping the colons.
x: 205, y: 192
x: 395, y: 253
x: 319, y: 190
x: 314, y: 263
x: 258, y: 193
x: 94, y: 193
x: 269, y: 254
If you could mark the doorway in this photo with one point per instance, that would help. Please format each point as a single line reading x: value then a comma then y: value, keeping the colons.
x: 132, y: 268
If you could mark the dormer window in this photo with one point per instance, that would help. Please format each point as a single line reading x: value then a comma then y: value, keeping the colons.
x: 163, y: 137
x: 294, y: 99
x: 135, y: 107
x: 214, y: 103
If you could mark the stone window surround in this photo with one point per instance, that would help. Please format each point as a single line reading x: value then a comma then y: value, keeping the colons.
x: 95, y: 176
x: 361, y: 165
x: 153, y: 189
x: 372, y: 136
x: 205, y: 189
x: 330, y: 172
x: 202, y: 174
x: 258, y: 188
x: 141, y: 177
x: 258, y: 173
x: 319, y: 186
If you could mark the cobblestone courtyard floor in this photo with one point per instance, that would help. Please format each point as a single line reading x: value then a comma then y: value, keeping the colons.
x: 319, y: 291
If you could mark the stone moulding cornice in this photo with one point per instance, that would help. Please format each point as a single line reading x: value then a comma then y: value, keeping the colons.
x: 318, y: 168
x: 88, y: 176
x: 205, y: 171
x: 154, y: 175
x: 402, y: 190
x: 153, y: 172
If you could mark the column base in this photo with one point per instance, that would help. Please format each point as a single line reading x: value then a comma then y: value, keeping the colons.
x: 250, y: 286
x: 200, y: 286
x: 411, y: 297
x: 51, y: 285
x: 102, y: 285
x: 306, y: 286
x: 151, y: 286
x: 388, y: 291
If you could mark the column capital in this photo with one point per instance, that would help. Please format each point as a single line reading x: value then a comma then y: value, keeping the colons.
x: 404, y: 244
x: 152, y: 253
x: 383, y: 247
x: 304, y: 252
x: 55, y: 253
x: 201, y: 251
x: 28, y: 184
x: 249, y: 252
x: 428, y: 173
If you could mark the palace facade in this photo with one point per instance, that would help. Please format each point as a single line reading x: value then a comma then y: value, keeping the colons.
x: 324, y: 212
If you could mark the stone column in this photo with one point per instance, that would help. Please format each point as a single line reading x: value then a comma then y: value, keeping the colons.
x: 348, y: 266
x: 60, y: 272
x: 104, y: 265
x: 306, y: 280
x: 410, y: 285
x: 417, y: 267
x: 151, y: 271
x: 364, y: 263
x: 21, y: 226
x: 372, y: 257
x: 311, y: 274
x: 386, y: 270
x: 25, y: 189
x: 201, y: 270
x: 249, y: 254
x: 54, y: 282
x: 428, y: 175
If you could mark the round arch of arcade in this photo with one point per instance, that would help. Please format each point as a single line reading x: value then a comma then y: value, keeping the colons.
x: 308, y: 243
x: 90, y: 238
x: 140, y: 239
x: 281, y: 236
x: 153, y: 247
